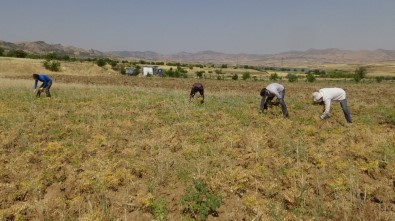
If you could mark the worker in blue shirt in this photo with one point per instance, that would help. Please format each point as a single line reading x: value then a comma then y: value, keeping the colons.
x: 46, y: 85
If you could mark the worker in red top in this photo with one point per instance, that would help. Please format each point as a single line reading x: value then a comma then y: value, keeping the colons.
x: 197, y: 87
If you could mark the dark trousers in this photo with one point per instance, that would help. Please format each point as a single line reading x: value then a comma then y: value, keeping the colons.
x: 46, y: 87
x: 343, y: 104
x: 268, y: 98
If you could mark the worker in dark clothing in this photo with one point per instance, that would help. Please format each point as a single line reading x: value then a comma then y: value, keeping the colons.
x: 271, y: 91
x: 46, y: 85
x: 197, y: 87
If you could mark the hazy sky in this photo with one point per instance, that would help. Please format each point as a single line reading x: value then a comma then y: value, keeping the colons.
x: 230, y: 26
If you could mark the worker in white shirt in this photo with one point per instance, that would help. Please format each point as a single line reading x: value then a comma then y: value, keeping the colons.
x: 271, y: 91
x: 324, y: 97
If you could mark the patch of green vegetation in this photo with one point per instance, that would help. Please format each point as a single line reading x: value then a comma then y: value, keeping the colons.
x: 199, y: 202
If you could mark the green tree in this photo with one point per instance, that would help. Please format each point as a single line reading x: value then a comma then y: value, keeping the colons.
x: 51, y: 56
x: 310, y: 77
x: 101, y: 62
x: 292, y: 77
x: 137, y: 70
x: 273, y: 77
x: 52, y: 65
x: 17, y: 53
x: 199, y: 74
x: 360, y: 73
x: 181, y: 70
x: 246, y: 75
x: 1, y: 51
x: 66, y: 58
x: 113, y: 63
x: 235, y: 77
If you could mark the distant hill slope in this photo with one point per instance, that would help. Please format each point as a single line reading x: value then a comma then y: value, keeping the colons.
x: 40, y: 47
x: 308, y: 57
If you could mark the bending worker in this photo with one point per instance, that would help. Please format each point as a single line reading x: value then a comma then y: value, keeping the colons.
x: 46, y: 85
x: 197, y: 87
x: 324, y: 97
x: 271, y: 91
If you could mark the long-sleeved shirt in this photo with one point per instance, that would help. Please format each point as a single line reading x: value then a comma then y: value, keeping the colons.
x: 275, y: 88
x: 197, y: 87
x: 331, y: 94
x: 43, y: 78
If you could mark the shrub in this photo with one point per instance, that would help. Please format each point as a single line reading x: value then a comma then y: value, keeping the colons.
x: 1, y: 51
x: 317, y: 72
x: 199, y: 74
x: 52, y: 65
x: 159, y: 209
x: 246, y: 75
x: 359, y: 74
x: 310, y: 77
x: 17, y: 54
x: 101, y: 62
x: 65, y: 58
x: 292, y: 77
x: 235, y: 77
x: 51, y: 56
x: 178, y: 73
x: 181, y: 70
x: 273, y: 77
x: 338, y: 74
x: 199, y: 201
x: 113, y: 63
x: 379, y: 79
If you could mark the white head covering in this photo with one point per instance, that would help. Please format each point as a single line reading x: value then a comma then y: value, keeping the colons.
x: 316, y: 96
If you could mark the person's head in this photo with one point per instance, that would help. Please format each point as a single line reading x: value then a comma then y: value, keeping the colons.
x: 35, y: 76
x: 263, y: 92
x: 317, y: 97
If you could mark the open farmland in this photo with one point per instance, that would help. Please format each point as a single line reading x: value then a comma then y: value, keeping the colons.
x: 110, y: 147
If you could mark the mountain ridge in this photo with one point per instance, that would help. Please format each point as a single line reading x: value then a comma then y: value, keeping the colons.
x: 294, y: 57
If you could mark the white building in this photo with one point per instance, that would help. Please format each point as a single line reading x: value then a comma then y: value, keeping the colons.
x: 154, y: 70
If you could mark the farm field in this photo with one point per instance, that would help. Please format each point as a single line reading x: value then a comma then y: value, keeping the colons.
x: 110, y: 147
x: 375, y: 69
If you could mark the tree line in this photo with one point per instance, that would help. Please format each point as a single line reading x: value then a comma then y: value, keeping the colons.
x: 52, y: 62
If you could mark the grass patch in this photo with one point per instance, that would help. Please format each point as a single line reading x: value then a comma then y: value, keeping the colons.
x: 90, y: 151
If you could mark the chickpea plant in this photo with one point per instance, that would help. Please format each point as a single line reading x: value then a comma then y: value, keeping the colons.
x: 199, y: 201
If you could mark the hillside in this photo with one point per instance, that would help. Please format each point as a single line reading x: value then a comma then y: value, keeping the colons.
x: 290, y: 58
x: 40, y: 47
x: 309, y: 57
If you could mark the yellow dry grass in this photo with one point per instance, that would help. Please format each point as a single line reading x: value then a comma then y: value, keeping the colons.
x: 386, y: 68
x: 108, y: 147
x: 26, y: 67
